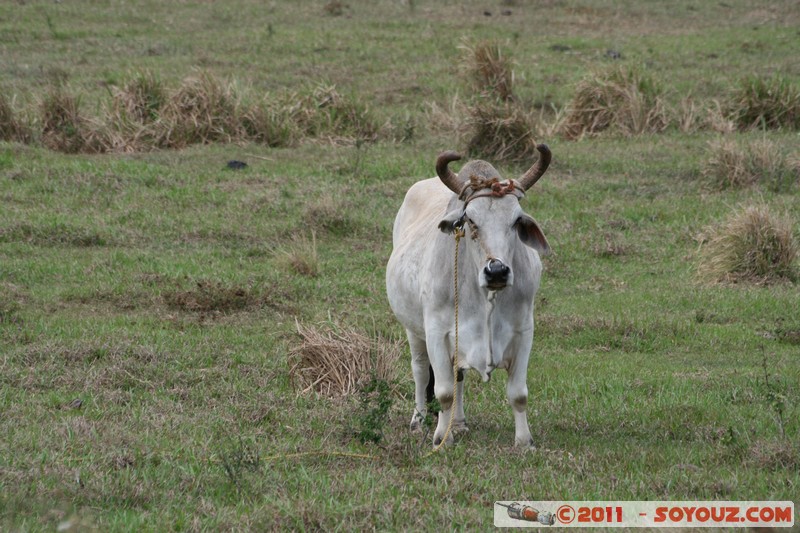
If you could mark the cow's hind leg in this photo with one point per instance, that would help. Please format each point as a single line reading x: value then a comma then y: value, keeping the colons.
x: 423, y: 380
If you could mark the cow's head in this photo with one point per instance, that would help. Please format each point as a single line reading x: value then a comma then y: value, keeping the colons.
x: 490, y: 213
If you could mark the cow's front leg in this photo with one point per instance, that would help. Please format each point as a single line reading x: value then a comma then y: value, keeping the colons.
x: 420, y: 367
x: 517, y: 392
x: 443, y: 386
x: 460, y: 421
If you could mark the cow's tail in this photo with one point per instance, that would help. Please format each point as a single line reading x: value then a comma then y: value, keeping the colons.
x: 429, y: 388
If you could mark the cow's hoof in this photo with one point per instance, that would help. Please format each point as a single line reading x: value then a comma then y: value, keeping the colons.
x: 526, y: 444
x: 459, y: 428
x: 416, y: 423
x: 437, y: 440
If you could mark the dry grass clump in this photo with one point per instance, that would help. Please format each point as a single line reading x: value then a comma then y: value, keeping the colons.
x: 143, y: 115
x: 211, y: 296
x: 270, y: 122
x: 333, y: 361
x: 203, y: 110
x: 301, y: 255
x: 132, y: 123
x: 624, y: 100
x: 64, y: 128
x: 328, y: 114
x: 11, y: 127
x: 751, y: 245
x: 141, y: 99
x: 501, y: 131
x: 489, y: 71
x: 497, y: 126
x: 737, y: 164
x: 765, y: 103
x: 447, y: 118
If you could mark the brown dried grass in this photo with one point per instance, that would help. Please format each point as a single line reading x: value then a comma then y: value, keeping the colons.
x: 328, y: 115
x: 751, y: 245
x: 765, y: 103
x: 12, y: 128
x: 624, y: 100
x: 202, y: 110
x: 490, y: 71
x: 141, y: 99
x: 332, y: 361
x: 64, y: 128
x: 270, y: 122
x: 301, y: 255
x: 501, y: 131
x: 732, y: 164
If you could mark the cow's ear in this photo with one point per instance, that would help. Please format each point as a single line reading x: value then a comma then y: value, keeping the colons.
x: 452, y: 220
x: 531, y: 235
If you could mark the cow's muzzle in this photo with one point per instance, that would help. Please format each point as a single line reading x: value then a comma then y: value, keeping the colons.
x: 496, y: 273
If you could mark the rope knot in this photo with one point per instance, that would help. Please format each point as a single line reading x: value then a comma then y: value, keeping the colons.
x: 496, y: 188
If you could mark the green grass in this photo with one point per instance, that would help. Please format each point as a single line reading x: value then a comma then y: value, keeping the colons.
x: 154, y: 287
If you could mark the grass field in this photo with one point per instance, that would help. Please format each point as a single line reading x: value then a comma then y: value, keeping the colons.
x: 148, y: 301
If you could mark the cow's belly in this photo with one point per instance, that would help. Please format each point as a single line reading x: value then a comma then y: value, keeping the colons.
x: 402, y: 289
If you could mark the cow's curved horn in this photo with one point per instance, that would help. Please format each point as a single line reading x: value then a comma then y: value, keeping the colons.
x: 532, y: 176
x: 447, y: 176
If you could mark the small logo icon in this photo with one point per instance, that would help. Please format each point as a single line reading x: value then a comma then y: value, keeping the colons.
x: 565, y: 514
x: 527, y: 513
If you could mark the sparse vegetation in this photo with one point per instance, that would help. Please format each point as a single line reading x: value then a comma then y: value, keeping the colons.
x: 752, y: 244
x: 375, y: 401
x: 624, y: 100
x: 211, y: 296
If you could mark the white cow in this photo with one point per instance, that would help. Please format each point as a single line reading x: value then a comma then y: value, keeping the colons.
x: 499, y: 271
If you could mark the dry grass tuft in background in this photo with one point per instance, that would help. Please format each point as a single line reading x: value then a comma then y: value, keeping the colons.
x: 501, y: 131
x: 204, y: 109
x: 11, y: 127
x: 741, y: 164
x: 751, y: 245
x: 327, y: 114
x: 333, y: 361
x: 301, y: 255
x: 142, y: 98
x: 497, y: 126
x: 64, y: 129
x: 489, y: 70
x: 624, y: 100
x: 765, y: 103
x: 270, y: 122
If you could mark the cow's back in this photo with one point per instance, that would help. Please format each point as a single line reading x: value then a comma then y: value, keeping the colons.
x: 424, y: 205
